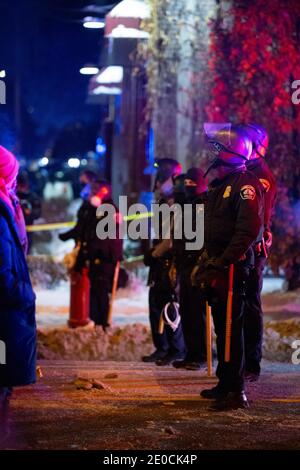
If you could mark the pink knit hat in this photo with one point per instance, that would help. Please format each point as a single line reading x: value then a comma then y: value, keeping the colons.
x: 9, y: 167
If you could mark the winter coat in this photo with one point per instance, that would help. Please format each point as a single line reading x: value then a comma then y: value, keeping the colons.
x: 17, y: 308
x: 233, y: 217
x: 101, y: 255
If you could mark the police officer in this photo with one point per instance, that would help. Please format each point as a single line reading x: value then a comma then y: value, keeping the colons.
x: 233, y: 219
x: 169, y: 345
x: 192, y: 304
x: 101, y: 256
x: 253, y: 310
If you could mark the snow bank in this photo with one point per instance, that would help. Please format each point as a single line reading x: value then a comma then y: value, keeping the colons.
x: 278, y: 339
x: 280, y: 302
x: 129, y: 343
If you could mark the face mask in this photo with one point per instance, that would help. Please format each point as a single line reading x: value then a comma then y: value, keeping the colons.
x: 191, y: 191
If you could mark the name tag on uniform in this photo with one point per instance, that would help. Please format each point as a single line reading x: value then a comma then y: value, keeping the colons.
x: 227, y: 192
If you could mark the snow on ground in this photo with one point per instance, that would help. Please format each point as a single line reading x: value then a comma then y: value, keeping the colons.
x: 130, y: 338
x: 272, y: 284
x: 131, y: 304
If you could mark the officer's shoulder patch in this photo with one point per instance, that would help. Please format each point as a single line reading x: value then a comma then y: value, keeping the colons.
x: 266, y: 184
x: 248, y: 192
x: 227, y: 191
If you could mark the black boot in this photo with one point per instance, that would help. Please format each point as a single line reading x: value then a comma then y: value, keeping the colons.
x: 251, y: 376
x: 232, y: 401
x: 180, y: 364
x: 168, y: 359
x: 154, y: 356
x: 215, y: 393
x: 193, y: 365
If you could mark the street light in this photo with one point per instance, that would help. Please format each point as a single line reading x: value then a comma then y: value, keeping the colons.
x: 74, y: 162
x: 2, y: 74
x: 93, y: 23
x: 89, y: 70
x: 43, y: 161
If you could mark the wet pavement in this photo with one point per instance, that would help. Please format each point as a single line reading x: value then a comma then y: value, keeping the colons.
x: 145, y: 407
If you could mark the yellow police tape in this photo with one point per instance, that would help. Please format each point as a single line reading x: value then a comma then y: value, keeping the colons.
x: 59, y: 225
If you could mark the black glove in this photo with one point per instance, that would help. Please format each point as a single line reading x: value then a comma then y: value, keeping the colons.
x: 63, y: 236
x: 148, y: 258
x: 212, y: 280
x: 214, y: 263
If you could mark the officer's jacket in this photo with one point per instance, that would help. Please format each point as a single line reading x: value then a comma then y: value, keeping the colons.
x: 233, y: 216
x: 261, y: 169
x: 161, y: 262
x: 85, y: 233
x: 186, y: 259
x: 108, y: 250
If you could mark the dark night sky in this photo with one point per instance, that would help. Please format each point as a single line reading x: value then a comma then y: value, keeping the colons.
x: 44, y: 44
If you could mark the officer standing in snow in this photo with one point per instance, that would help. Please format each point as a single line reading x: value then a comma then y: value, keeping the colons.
x: 192, y: 305
x: 253, y: 332
x: 169, y: 344
x: 233, y: 219
x: 100, y: 256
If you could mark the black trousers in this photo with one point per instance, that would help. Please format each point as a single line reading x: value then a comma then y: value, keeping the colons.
x: 193, y: 318
x: 231, y: 374
x: 253, y: 331
x: 170, y: 341
x: 101, y: 283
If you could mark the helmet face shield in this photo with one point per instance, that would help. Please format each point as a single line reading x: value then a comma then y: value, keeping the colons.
x: 212, y: 129
x: 218, y: 138
x: 229, y: 145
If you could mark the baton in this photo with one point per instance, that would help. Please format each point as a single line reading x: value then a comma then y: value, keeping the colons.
x: 113, y: 292
x: 229, y: 314
x: 208, y: 340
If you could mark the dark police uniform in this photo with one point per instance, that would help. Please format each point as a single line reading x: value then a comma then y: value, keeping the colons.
x: 192, y: 302
x: 233, y: 219
x: 169, y: 344
x: 253, y: 310
x: 100, y: 256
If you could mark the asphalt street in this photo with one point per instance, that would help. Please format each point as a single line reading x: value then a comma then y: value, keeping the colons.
x: 140, y: 406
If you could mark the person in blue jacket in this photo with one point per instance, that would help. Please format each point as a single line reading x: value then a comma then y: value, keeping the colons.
x: 17, y: 299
